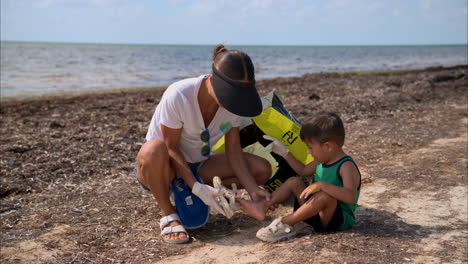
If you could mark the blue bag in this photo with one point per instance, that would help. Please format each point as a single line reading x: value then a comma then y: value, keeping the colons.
x: 192, y: 211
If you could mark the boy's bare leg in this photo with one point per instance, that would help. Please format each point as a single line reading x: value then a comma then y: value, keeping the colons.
x: 320, y: 203
x: 258, y: 210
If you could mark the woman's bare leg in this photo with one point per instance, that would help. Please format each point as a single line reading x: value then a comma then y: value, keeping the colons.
x: 155, y: 172
x: 218, y: 165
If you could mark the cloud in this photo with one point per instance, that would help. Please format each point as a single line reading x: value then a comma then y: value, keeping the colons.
x: 242, y: 9
x: 116, y: 10
x: 425, y: 4
x: 61, y: 3
x: 437, y: 11
x: 85, y: 3
x: 353, y: 7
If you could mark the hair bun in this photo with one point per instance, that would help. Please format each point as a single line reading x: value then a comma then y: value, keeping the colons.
x: 220, y: 48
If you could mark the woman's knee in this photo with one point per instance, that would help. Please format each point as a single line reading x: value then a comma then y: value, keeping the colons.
x: 261, y: 169
x: 151, y: 152
x: 153, y: 163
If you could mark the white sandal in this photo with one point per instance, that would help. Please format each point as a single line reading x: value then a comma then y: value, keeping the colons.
x: 276, y: 231
x: 165, y: 229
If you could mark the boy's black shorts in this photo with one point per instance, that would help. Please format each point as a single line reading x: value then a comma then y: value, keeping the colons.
x: 314, y: 221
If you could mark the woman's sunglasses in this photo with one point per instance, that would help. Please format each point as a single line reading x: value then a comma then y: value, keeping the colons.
x: 205, y: 138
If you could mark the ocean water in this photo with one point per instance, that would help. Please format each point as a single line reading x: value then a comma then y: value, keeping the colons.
x: 39, y: 68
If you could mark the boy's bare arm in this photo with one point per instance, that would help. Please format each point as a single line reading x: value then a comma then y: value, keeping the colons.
x: 299, y: 167
x: 347, y: 193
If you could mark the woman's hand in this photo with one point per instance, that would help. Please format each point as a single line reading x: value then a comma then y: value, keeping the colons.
x: 207, y: 194
x: 311, y: 189
x: 259, y: 195
x: 273, y: 207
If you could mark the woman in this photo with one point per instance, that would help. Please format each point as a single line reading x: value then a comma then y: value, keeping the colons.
x: 194, y: 114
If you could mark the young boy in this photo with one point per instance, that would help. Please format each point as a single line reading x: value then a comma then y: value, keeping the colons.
x: 330, y: 202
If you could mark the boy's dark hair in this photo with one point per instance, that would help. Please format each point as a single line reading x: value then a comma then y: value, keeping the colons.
x: 326, y: 127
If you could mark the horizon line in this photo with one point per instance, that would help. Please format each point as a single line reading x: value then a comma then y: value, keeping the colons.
x: 260, y: 45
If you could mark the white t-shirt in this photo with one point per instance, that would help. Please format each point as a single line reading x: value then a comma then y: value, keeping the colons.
x: 179, y: 108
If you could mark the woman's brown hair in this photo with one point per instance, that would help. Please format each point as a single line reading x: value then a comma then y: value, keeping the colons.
x: 235, y: 64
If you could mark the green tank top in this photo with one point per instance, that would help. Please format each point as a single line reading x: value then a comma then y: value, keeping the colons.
x: 331, y: 174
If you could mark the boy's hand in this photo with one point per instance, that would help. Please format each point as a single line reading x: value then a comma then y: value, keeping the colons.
x: 276, y: 146
x: 311, y: 189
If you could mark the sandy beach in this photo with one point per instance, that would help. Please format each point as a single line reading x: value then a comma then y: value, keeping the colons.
x: 67, y: 194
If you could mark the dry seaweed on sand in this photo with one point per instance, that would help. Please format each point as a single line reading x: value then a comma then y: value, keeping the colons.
x: 67, y: 194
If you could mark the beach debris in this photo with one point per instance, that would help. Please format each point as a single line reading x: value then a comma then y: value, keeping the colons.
x: 230, y: 207
x: 447, y: 77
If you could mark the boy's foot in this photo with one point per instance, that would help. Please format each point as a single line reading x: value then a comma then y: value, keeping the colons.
x: 254, y: 209
x: 276, y: 231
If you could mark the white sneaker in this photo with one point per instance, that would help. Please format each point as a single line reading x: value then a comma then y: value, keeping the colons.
x: 276, y: 231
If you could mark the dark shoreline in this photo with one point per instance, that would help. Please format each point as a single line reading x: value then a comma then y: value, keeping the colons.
x: 131, y: 89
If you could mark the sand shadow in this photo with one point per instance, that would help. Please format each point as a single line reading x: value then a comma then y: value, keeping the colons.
x: 371, y: 222
x: 379, y: 223
x: 239, y: 230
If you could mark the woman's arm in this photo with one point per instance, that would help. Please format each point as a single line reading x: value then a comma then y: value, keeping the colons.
x: 171, y: 137
x: 239, y: 165
x: 237, y: 161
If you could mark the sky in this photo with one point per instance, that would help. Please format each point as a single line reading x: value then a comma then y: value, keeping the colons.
x: 237, y: 22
